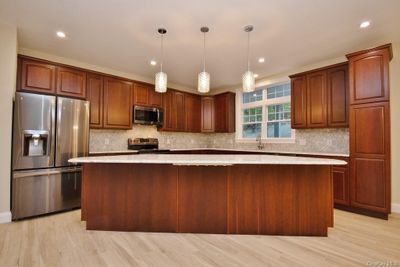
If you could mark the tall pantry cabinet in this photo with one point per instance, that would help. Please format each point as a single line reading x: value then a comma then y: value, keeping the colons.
x: 369, y: 125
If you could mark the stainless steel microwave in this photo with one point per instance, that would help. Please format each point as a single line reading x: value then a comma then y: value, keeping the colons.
x: 148, y: 115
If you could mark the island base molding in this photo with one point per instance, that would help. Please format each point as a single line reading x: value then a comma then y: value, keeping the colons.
x: 238, y: 199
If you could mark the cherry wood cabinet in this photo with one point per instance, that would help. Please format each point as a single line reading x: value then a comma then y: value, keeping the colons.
x: 319, y: 98
x: 174, y: 111
x: 316, y: 99
x: 341, y: 185
x: 36, y: 76
x: 224, y: 113
x: 71, y: 82
x: 338, y: 96
x: 299, y: 102
x: 370, y: 131
x: 369, y: 75
x: 117, y: 104
x: 145, y: 95
x: 207, y: 114
x: 140, y: 94
x: 95, y: 97
x: 192, y: 113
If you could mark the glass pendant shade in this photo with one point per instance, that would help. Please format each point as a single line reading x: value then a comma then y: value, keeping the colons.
x: 161, y: 82
x: 249, y: 84
x: 203, y: 85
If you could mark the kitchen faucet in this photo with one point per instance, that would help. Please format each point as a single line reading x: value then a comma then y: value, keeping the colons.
x: 260, y: 144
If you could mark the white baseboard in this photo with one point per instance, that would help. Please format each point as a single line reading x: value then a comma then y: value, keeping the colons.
x: 5, y: 217
x: 396, y: 207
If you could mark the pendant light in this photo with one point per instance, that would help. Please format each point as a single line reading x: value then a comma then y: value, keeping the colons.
x: 248, y: 77
x: 161, y: 77
x: 203, y: 85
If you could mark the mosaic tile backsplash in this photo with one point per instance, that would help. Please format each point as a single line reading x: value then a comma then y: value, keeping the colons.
x: 311, y: 141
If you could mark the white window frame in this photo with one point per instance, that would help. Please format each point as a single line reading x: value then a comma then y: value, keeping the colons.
x: 240, y: 106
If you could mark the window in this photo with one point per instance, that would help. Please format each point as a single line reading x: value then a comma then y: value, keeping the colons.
x: 266, y: 113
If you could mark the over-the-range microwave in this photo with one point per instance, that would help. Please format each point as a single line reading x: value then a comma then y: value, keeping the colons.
x: 148, y: 115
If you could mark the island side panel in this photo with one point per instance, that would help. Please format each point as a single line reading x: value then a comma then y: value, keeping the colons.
x: 202, y: 199
x: 280, y: 200
x: 131, y: 197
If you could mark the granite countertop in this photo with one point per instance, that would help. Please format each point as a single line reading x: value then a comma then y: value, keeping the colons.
x: 229, y: 149
x: 265, y: 151
x: 208, y: 160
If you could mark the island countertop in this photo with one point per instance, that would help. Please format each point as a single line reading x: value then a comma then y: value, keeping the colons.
x: 208, y: 160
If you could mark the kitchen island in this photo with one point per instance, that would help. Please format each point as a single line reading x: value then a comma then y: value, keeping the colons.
x: 199, y: 193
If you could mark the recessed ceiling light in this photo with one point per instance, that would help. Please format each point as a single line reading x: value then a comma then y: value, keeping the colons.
x: 61, y: 34
x: 255, y: 75
x: 153, y: 62
x: 261, y: 60
x: 364, y: 24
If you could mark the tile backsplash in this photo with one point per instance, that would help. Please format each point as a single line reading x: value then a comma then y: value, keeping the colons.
x: 312, y: 141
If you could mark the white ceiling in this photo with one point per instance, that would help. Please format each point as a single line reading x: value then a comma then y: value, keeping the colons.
x: 122, y: 34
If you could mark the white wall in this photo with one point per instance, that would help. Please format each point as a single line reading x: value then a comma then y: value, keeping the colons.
x: 8, y: 66
x: 395, y: 125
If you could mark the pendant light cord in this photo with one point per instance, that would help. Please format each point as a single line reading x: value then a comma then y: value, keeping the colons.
x: 162, y: 51
x: 248, y: 51
x: 204, y: 51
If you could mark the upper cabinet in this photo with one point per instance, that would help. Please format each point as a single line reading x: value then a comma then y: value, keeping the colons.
x: 71, y: 82
x: 117, y: 104
x: 145, y: 95
x: 224, y: 113
x: 192, y: 113
x: 36, y: 76
x: 95, y: 97
x: 174, y: 111
x: 41, y: 77
x: 319, y: 98
x: 299, y: 102
x: 369, y: 75
x: 338, y: 96
x: 316, y: 99
x: 207, y: 114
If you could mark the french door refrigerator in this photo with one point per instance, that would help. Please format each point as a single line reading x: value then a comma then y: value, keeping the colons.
x: 47, y: 132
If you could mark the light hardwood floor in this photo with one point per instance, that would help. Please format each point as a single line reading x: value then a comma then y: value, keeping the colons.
x: 61, y: 240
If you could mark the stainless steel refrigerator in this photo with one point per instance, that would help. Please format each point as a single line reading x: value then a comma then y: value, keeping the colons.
x: 47, y: 131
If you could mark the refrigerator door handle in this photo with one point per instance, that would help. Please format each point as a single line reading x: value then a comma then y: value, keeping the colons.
x: 22, y: 174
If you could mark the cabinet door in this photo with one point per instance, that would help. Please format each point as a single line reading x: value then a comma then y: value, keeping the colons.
x: 37, y: 77
x: 369, y: 76
x: 341, y: 185
x: 155, y: 99
x: 179, y: 110
x: 192, y: 113
x: 316, y: 100
x: 174, y: 104
x: 338, y: 105
x: 207, y: 114
x: 140, y: 94
x: 370, y: 184
x: 95, y: 97
x: 370, y: 130
x: 298, y: 102
x: 71, y: 82
x: 117, y: 104
x: 224, y: 105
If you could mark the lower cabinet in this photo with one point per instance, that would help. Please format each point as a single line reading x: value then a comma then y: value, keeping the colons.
x: 341, y: 185
x: 370, y: 184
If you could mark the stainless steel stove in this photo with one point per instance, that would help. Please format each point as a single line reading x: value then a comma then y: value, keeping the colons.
x: 145, y: 145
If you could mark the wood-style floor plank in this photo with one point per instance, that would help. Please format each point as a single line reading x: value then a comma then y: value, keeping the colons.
x: 61, y: 240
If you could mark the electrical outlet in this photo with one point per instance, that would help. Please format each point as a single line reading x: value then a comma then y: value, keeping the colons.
x: 107, y: 141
